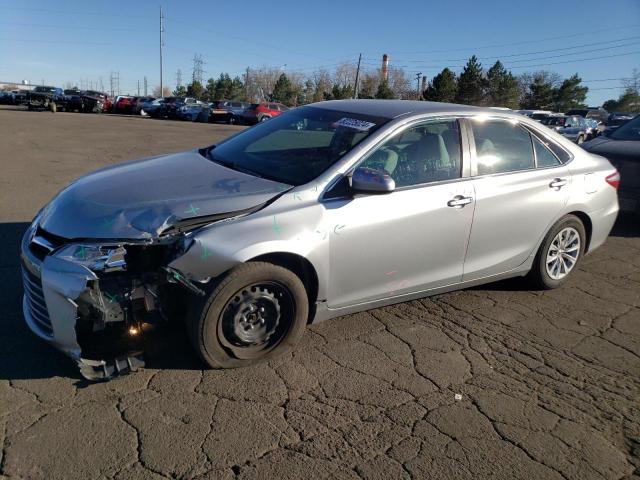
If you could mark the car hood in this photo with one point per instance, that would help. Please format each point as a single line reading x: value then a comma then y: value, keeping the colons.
x: 144, y: 199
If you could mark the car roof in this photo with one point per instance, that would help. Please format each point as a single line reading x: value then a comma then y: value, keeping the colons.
x: 396, y: 108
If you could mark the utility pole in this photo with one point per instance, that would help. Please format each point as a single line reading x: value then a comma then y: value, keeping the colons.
x: 355, y: 86
x: 246, y: 84
x: 418, y: 75
x: 138, y: 87
x: 161, y: 45
x: 145, y: 86
x: 197, y: 69
x: 178, y: 78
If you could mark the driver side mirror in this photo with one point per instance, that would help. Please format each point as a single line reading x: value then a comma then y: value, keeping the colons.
x: 370, y: 180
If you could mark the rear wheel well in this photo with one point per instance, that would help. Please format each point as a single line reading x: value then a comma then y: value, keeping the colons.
x: 588, y: 227
x: 301, y: 267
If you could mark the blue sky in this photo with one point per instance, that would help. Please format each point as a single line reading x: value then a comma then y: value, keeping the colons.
x: 61, y: 41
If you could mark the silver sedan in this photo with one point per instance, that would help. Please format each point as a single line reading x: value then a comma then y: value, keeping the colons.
x: 326, y: 210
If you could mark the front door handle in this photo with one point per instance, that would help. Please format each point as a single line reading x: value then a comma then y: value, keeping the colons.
x: 558, y: 183
x: 459, y: 201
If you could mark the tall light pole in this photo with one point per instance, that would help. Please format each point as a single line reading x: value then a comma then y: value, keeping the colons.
x: 355, y: 85
x: 161, y: 45
x: 418, y: 75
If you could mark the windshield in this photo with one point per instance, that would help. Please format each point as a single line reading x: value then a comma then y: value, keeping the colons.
x: 44, y: 89
x: 297, y: 146
x: 628, y: 131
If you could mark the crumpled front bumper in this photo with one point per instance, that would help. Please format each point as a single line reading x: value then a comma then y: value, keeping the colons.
x: 50, y: 310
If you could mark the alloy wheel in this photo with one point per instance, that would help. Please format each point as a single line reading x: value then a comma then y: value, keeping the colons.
x: 563, y: 253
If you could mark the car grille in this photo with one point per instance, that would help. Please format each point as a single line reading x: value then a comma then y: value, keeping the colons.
x: 35, y: 301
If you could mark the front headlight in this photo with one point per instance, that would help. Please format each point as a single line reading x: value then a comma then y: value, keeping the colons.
x: 94, y: 257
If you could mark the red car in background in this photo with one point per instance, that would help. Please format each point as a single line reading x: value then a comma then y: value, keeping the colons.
x: 261, y: 112
x: 124, y: 104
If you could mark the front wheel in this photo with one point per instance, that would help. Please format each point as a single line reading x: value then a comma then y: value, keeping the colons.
x: 255, y: 312
x: 560, y: 252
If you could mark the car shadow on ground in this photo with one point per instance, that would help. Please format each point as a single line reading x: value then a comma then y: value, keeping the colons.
x: 27, y: 357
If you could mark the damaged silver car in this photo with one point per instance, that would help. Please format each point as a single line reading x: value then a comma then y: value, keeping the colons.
x: 325, y: 210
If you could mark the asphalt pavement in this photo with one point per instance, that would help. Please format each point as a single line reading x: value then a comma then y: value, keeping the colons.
x: 496, y: 381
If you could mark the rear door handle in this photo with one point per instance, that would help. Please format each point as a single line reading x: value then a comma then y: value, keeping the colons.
x: 459, y: 201
x: 558, y: 183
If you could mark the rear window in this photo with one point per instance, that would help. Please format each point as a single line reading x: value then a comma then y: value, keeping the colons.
x: 628, y: 131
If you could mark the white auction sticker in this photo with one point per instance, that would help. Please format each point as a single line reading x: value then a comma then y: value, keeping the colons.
x: 354, y: 123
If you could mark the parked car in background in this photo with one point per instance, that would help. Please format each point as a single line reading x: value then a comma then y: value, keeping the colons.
x: 96, y: 102
x: 622, y: 148
x: 593, y: 128
x: 230, y: 111
x: 138, y: 102
x: 189, y: 105
x: 199, y: 112
x: 74, y: 100
x: 19, y: 96
x: 170, y: 107
x: 123, y: 104
x: 597, y: 113
x: 260, y: 112
x: 616, y: 120
x: 572, y: 127
x: 150, y: 106
x: 6, y: 98
x: 49, y: 98
x: 271, y: 229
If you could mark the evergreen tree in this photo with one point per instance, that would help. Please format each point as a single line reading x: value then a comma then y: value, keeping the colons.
x: 570, y: 94
x: 502, y: 87
x: 341, y: 92
x: 210, y: 89
x: 540, y: 94
x: 384, y: 91
x: 223, y: 87
x: 180, y: 91
x: 236, y: 92
x: 442, y: 88
x: 471, y: 84
x: 283, y: 91
x: 195, y: 90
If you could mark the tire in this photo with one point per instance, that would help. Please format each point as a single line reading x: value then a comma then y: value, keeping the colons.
x: 53, y: 107
x: 580, y: 140
x: 255, y: 312
x: 547, y: 278
x: 264, y: 118
x: 231, y: 120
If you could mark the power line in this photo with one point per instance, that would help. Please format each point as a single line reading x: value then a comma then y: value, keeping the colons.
x: 586, y: 31
x: 500, y: 57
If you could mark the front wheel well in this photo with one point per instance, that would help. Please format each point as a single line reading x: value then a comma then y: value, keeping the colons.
x: 301, y: 267
x: 588, y: 226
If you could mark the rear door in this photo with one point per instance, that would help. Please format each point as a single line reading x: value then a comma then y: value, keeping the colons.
x: 520, y: 187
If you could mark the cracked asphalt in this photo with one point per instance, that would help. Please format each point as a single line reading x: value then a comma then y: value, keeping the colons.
x: 491, y: 382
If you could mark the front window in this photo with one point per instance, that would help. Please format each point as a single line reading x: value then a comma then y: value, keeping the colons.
x: 429, y: 152
x: 297, y: 146
x: 628, y: 131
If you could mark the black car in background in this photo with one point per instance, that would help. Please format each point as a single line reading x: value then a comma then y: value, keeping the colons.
x: 596, y: 113
x: 622, y: 148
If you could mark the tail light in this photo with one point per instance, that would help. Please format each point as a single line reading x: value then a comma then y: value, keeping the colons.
x: 614, y: 180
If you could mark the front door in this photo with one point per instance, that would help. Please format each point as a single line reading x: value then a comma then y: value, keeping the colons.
x: 413, y: 239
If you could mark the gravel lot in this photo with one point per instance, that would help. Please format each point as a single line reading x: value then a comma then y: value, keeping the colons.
x: 549, y: 381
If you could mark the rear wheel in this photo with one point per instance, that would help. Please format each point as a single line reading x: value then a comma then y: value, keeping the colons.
x: 560, y: 252
x: 255, y: 312
x: 580, y: 140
